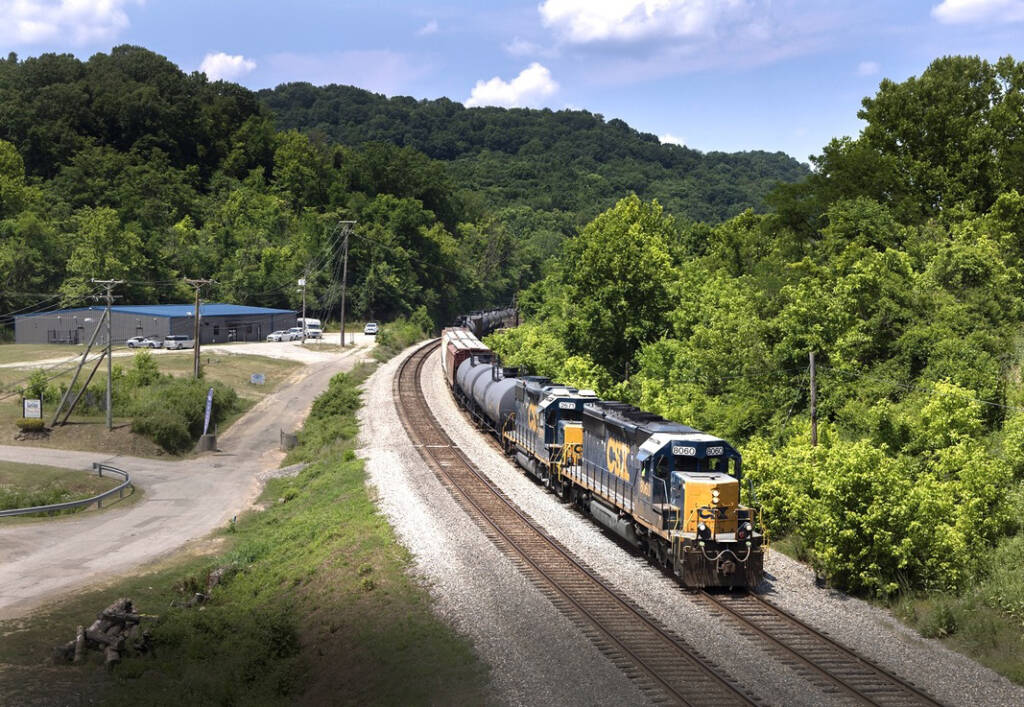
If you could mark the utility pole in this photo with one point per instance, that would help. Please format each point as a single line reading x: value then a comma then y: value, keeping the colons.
x: 110, y: 285
x: 347, y: 225
x: 302, y: 284
x: 814, y: 406
x: 195, y: 325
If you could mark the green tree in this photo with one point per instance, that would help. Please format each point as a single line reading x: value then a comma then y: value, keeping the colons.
x: 103, y: 249
x: 617, y: 276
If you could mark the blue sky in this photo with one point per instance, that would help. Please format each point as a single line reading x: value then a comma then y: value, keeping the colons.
x: 712, y: 74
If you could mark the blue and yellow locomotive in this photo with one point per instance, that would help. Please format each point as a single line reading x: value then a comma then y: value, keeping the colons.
x: 667, y: 489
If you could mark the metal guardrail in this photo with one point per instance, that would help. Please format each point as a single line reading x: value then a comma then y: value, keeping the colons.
x: 98, y: 500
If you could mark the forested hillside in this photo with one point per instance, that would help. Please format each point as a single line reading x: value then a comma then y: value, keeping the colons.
x: 125, y: 167
x: 566, y: 161
x: 899, y: 263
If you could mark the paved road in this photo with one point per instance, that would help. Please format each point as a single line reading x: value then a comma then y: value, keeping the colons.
x: 182, y: 500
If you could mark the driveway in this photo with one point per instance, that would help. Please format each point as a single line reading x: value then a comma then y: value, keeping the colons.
x: 314, y: 350
x: 182, y: 500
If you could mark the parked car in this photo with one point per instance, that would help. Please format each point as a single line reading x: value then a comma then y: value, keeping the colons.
x: 293, y: 334
x: 314, y: 332
x: 370, y: 328
x: 152, y: 342
x: 135, y: 341
x: 179, y: 341
x: 277, y: 335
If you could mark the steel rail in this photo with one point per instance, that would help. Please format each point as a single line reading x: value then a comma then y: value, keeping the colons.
x: 657, y: 660
x: 68, y: 505
x: 820, y: 658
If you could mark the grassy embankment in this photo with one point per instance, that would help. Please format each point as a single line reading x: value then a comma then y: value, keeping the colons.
x: 25, y: 485
x: 317, y: 607
x: 86, y: 431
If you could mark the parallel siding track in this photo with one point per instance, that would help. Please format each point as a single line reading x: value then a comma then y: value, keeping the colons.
x: 663, y: 665
x: 835, y: 669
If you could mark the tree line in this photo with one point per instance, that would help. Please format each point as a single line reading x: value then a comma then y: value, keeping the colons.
x: 124, y: 167
x: 898, y: 261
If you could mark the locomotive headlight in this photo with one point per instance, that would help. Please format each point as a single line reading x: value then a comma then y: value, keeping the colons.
x: 702, y: 531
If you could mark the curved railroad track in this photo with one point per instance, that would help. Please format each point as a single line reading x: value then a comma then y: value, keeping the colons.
x: 662, y: 665
x: 835, y: 669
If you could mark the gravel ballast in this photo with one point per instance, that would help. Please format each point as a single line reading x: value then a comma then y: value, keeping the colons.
x: 536, y: 655
x: 473, y: 582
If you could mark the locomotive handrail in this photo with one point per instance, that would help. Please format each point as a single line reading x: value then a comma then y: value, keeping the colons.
x: 67, y: 505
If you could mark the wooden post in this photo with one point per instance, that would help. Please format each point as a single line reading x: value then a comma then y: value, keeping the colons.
x: 814, y: 406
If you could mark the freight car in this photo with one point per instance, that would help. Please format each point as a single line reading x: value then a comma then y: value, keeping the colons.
x: 481, y: 323
x: 669, y: 490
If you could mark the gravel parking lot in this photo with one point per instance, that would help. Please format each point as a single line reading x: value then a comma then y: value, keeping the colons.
x: 522, y: 636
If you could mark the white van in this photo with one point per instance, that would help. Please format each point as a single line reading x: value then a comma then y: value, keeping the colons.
x: 312, y: 327
x: 179, y: 341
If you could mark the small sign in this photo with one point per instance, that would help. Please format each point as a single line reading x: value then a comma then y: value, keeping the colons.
x: 32, y: 408
x: 209, y: 406
x: 257, y: 379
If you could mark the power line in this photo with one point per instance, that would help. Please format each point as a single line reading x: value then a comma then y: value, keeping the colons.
x: 919, y: 389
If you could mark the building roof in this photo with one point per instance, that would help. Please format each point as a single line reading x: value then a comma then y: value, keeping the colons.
x: 173, y: 310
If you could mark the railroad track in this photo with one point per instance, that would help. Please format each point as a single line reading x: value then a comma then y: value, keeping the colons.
x: 825, y: 663
x: 664, y: 666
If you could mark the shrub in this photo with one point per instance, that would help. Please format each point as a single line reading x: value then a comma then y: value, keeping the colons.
x: 27, y: 424
x: 401, y: 333
x: 171, y: 411
x: 37, y: 385
x: 144, y: 371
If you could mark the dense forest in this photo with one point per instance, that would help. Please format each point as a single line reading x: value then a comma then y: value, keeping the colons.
x: 569, y: 161
x: 125, y: 167
x: 899, y: 263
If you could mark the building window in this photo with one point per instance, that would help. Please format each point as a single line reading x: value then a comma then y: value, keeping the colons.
x: 216, y: 329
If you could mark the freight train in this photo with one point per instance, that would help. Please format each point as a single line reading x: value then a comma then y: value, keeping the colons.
x: 669, y: 490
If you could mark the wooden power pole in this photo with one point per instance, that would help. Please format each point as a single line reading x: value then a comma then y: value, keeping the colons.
x: 347, y: 225
x: 110, y: 285
x: 197, y: 284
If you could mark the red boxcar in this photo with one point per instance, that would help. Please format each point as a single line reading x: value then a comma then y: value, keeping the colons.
x: 457, y: 345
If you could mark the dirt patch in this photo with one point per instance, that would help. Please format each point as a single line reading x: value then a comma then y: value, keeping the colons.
x: 92, y: 436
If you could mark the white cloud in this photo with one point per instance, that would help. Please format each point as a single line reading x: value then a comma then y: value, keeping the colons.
x: 226, y: 66
x: 953, y: 12
x: 533, y: 83
x: 524, y: 47
x: 385, y: 72
x: 584, y: 21
x: 868, y: 68
x: 521, y: 47
x: 670, y: 139
x: 429, y: 28
x: 80, y: 21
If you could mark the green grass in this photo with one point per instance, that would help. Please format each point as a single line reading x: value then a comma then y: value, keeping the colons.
x: 986, y: 622
x: 319, y: 607
x: 14, y: 353
x: 25, y: 485
x: 86, y: 431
